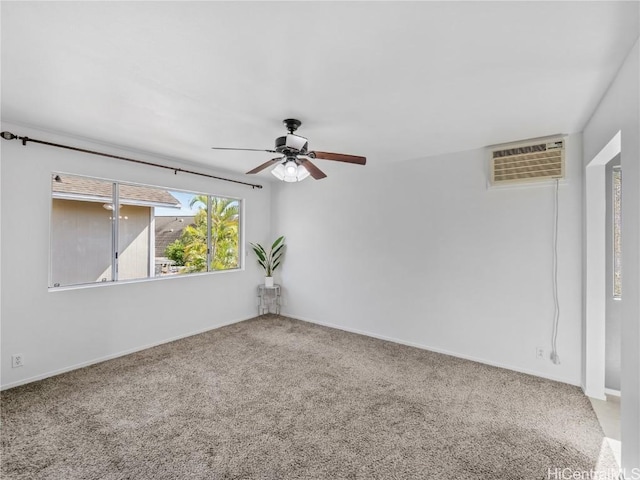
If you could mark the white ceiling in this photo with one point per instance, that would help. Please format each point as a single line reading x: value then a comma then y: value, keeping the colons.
x: 388, y: 80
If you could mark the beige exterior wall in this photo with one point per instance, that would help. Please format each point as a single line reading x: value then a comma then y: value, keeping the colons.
x: 81, y: 242
x: 133, y: 243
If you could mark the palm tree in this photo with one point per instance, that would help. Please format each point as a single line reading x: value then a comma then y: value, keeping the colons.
x: 224, y: 230
x: 194, y: 239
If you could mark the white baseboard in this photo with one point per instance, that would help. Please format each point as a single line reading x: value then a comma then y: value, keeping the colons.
x: 438, y: 350
x: 53, y: 373
x: 612, y: 392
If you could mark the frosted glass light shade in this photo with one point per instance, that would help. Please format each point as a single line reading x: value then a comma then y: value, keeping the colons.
x: 290, y: 169
x: 278, y: 172
x: 302, y: 173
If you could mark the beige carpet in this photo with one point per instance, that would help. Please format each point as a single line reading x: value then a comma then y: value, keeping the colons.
x: 276, y: 398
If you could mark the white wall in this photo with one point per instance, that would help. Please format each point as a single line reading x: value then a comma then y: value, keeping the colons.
x: 619, y: 111
x: 423, y: 253
x: 59, y: 330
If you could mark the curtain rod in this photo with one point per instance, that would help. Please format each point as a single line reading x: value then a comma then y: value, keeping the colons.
x: 11, y: 136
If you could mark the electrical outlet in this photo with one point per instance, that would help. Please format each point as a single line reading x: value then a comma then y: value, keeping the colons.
x: 540, y: 353
x: 17, y: 360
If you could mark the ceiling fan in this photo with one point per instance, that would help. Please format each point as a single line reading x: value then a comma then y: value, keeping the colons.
x: 294, y: 164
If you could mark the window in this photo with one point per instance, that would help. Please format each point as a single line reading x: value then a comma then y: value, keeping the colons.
x: 617, y: 232
x: 103, y: 231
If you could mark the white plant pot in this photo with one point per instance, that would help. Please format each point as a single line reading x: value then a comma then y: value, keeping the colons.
x: 268, y: 281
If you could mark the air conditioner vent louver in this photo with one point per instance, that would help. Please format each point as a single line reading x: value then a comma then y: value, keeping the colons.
x: 527, y: 163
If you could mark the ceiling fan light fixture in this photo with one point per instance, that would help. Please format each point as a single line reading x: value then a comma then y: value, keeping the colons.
x: 290, y: 171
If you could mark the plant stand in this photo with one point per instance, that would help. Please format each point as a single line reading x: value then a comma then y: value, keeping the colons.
x: 269, y: 299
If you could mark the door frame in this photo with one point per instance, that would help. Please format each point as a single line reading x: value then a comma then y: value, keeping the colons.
x: 595, y: 269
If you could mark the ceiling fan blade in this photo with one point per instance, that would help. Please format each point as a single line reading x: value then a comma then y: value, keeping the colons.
x: 265, y: 165
x: 339, y: 157
x: 243, y: 149
x: 314, y: 171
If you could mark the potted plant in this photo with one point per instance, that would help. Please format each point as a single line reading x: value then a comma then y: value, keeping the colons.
x: 269, y: 261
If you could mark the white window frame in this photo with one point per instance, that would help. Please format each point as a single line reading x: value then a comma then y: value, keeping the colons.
x: 115, y: 237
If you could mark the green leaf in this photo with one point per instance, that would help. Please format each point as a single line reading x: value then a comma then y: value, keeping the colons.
x: 277, y: 250
x: 259, y: 251
x: 277, y: 242
x: 258, y: 247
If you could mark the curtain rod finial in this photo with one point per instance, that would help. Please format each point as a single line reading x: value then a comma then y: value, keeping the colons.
x: 8, y: 135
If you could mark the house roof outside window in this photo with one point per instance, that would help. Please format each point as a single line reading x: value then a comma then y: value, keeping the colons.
x: 72, y: 187
x: 169, y: 229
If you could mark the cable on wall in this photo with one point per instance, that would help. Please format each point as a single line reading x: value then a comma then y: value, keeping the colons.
x: 556, y: 315
x: 11, y: 136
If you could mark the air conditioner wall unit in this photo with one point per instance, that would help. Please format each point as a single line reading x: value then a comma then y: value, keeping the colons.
x: 528, y: 162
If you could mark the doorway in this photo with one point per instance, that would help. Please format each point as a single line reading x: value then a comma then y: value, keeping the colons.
x: 603, y: 289
x: 613, y: 316
x: 596, y: 254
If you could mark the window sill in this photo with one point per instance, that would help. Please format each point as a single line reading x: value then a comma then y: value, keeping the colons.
x: 82, y: 286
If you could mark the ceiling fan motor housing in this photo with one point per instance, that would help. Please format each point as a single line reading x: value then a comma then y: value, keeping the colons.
x: 291, y: 144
